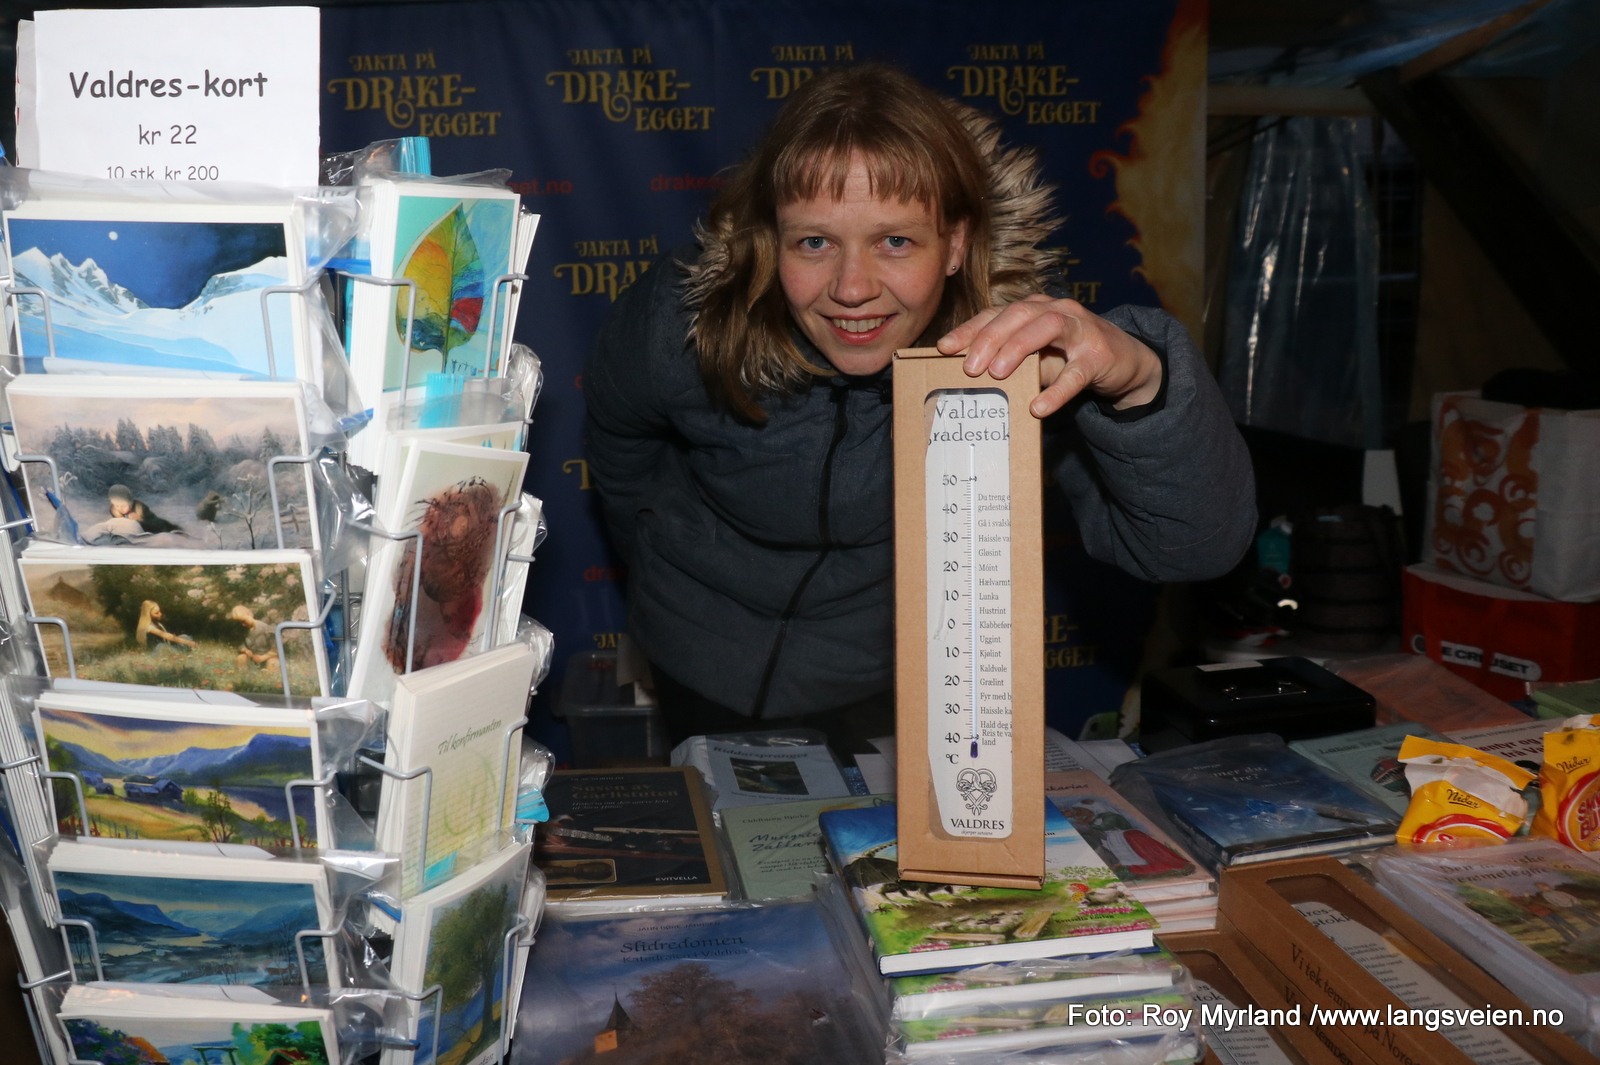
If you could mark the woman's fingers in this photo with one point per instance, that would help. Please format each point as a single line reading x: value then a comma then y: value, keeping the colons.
x: 962, y: 335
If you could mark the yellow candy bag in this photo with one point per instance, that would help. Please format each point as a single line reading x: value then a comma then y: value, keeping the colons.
x: 1569, y: 784
x: 1460, y: 796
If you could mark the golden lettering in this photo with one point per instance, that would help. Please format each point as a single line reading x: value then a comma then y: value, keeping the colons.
x: 799, y: 53
x: 1065, y: 113
x: 583, y: 472
x: 977, y: 52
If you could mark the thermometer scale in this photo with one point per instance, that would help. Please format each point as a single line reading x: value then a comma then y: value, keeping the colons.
x: 968, y: 588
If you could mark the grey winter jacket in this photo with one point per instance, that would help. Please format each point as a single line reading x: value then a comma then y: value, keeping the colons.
x: 761, y: 557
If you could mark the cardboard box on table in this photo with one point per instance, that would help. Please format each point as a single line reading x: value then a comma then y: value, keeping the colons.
x: 1257, y: 911
x: 1218, y: 958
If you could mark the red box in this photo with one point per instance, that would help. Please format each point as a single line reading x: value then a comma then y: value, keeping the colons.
x: 1498, y: 638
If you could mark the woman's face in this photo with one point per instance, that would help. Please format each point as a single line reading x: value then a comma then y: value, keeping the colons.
x: 863, y: 276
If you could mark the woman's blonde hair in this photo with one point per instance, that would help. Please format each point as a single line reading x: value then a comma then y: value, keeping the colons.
x: 918, y: 147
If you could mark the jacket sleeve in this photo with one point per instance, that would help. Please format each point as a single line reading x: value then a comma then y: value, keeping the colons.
x: 627, y: 431
x: 1169, y: 496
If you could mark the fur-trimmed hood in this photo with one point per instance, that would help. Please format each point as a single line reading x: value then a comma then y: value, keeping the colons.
x: 1021, y: 214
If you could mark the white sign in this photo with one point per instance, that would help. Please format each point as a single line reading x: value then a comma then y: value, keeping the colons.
x: 197, y: 94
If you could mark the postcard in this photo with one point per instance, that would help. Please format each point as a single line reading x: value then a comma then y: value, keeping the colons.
x: 181, y: 773
x: 207, y: 620
x: 111, y: 1024
x: 166, y: 918
x: 453, y: 494
x: 173, y: 464
x: 168, y: 290
x: 396, y: 449
x: 454, y: 936
x: 452, y: 718
x: 452, y: 241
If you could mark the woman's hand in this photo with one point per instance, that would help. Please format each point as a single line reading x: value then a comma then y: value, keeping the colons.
x: 1078, y: 350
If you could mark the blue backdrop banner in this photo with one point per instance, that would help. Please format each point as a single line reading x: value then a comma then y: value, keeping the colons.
x: 618, y: 117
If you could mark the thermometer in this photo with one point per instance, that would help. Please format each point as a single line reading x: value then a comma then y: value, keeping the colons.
x: 967, y: 489
x: 969, y: 616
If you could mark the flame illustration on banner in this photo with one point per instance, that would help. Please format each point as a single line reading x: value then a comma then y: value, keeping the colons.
x: 449, y: 274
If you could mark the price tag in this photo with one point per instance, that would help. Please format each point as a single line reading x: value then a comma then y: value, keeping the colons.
x: 197, y: 94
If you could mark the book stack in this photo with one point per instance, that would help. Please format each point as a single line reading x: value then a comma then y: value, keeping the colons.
x: 190, y: 431
x: 1247, y: 799
x: 979, y: 971
x: 1174, y: 888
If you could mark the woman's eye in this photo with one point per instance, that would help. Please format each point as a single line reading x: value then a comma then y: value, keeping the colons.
x: 814, y: 243
x: 897, y: 242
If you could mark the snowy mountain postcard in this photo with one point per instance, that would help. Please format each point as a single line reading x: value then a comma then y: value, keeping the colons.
x: 164, y: 294
x: 185, y: 919
x: 185, y: 469
x: 176, y: 777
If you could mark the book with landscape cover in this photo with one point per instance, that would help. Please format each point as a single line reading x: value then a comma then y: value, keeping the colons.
x: 628, y: 834
x: 1246, y: 799
x: 1369, y: 758
x: 1145, y: 859
x: 751, y: 985
x: 1035, y: 980
x: 1044, y: 1024
x: 919, y: 927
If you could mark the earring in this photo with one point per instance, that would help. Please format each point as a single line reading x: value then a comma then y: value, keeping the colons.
x: 954, y: 267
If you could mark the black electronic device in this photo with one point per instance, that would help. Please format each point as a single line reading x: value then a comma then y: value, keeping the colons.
x: 1292, y: 697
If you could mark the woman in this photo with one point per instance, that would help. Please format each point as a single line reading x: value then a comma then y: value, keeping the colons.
x: 738, y: 402
x: 150, y: 636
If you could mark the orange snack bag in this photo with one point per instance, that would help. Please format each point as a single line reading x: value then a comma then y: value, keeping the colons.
x: 1460, y: 795
x: 1569, y: 785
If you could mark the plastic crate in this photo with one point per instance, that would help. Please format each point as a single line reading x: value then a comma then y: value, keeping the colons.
x: 608, y: 729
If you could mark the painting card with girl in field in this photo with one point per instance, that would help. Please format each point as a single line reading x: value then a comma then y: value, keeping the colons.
x: 175, y: 620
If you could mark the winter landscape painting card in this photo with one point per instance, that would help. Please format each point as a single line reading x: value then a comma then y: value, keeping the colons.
x: 113, y: 1024
x: 454, y: 719
x: 205, y: 619
x: 454, y: 936
x: 162, y: 290
x: 453, y: 494
x: 174, y: 464
x: 188, y: 919
x: 180, y: 772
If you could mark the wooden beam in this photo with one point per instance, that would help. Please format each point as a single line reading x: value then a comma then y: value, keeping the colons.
x: 1529, y: 245
x: 1286, y: 100
x: 1462, y: 45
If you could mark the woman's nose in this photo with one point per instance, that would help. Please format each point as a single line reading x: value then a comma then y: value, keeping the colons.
x: 855, y: 282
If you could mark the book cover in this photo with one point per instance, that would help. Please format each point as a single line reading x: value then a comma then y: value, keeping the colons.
x: 996, y: 1028
x: 1528, y: 911
x: 460, y: 720
x: 623, y: 833
x: 1033, y: 980
x: 1249, y: 799
x: 752, y: 775
x: 1522, y: 743
x: 1142, y: 856
x: 921, y: 927
x: 1369, y: 759
x: 745, y: 986
x: 778, y: 849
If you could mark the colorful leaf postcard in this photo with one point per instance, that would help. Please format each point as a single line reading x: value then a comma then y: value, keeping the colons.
x: 454, y: 936
x: 453, y: 494
x: 170, y: 918
x: 172, y: 464
x: 205, y: 620
x: 166, y: 290
x: 116, y: 1026
x: 179, y: 772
